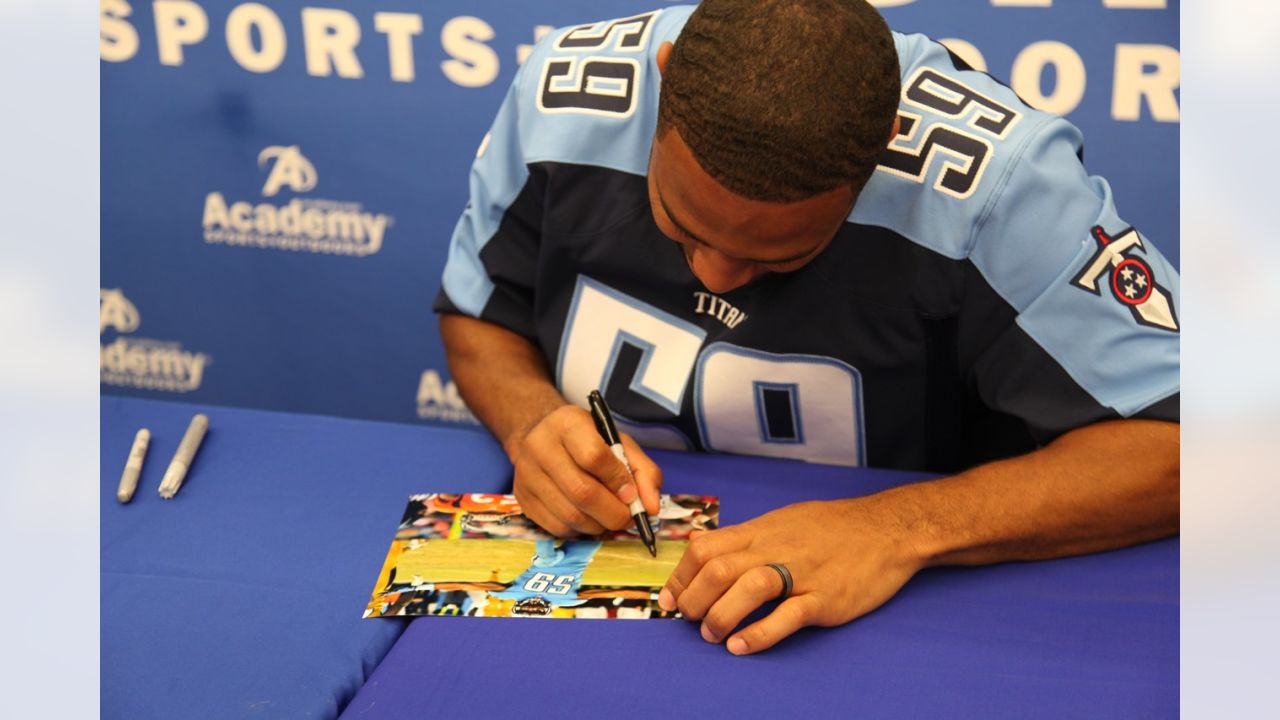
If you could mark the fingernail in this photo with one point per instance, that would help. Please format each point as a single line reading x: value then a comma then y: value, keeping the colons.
x: 666, y: 600
x: 627, y: 493
x: 737, y: 646
x: 706, y: 634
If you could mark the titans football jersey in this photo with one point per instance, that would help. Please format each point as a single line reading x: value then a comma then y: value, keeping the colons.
x: 555, y: 574
x: 982, y: 298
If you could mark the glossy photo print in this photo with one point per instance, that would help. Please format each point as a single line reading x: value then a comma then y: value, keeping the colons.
x: 478, y: 555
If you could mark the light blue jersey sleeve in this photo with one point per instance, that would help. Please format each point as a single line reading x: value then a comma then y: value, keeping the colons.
x: 1088, y: 288
x: 979, y: 177
x: 588, y: 95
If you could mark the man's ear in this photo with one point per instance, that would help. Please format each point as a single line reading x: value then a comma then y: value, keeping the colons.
x: 664, y: 54
x: 897, y: 125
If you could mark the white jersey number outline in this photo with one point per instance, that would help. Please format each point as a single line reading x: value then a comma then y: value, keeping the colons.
x: 804, y: 407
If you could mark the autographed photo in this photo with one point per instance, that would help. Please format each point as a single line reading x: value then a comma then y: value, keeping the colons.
x: 477, y: 554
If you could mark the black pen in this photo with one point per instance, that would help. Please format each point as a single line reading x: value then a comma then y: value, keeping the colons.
x: 604, y: 425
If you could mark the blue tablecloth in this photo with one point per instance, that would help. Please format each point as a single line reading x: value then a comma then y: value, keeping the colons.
x: 1087, y: 637
x: 242, y: 596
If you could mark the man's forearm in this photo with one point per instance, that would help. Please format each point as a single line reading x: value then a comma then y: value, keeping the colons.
x: 501, y: 376
x: 1100, y: 487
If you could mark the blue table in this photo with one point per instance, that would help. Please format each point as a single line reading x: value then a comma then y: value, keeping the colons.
x: 1087, y: 637
x: 242, y: 597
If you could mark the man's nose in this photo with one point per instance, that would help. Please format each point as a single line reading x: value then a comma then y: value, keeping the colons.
x: 721, y: 273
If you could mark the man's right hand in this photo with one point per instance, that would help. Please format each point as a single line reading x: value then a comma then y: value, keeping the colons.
x: 569, y: 482
x: 566, y: 478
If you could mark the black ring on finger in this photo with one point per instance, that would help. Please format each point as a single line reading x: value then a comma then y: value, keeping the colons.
x: 785, y: 574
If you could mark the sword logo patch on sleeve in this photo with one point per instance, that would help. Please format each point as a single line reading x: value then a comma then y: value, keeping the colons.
x: 1130, y: 278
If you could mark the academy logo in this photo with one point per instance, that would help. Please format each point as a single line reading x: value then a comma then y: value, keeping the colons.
x: 142, y: 362
x: 305, y: 224
x: 1130, y: 278
x: 115, y: 311
x: 290, y: 168
x: 438, y: 400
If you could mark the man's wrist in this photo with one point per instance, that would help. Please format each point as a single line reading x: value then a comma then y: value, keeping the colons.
x: 513, y: 439
x: 879, y: 523
x: 905, y: 516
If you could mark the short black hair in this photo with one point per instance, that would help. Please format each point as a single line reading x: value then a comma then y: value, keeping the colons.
x: 781, y: 100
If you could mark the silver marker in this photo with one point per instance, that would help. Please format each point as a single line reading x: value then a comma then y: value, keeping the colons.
x: 133, y: 466
x: 182, y: 459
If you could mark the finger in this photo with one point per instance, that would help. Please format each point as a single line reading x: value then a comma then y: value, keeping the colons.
x: 699, y: 551
x: 753, y: 588
x: 570, y: 514
x: 647, y: 474
x: 533, y: 509
x: 570, y: 491
x: 589, y: 451
x: 545, y: 492
x: 578, y: 493
x: 793, y: 614
x: 713, y: 580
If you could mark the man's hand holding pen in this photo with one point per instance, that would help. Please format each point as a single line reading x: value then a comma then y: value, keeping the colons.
x: 568, y: 480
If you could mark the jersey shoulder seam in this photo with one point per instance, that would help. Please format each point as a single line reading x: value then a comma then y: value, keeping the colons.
x: 1002, y: 183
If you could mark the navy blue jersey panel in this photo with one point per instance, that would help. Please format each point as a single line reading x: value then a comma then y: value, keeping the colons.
x: 1168, y: 410
x: 511, y: 259
x: 442, y: 304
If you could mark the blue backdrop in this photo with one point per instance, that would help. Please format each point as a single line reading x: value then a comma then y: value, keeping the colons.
x: 280, y: 179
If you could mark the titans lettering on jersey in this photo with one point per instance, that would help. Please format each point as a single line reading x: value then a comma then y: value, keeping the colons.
x: 555, y: 574
x: 945, y: 325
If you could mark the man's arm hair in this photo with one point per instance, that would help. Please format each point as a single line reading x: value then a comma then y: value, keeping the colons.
x: 1099, y: 487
